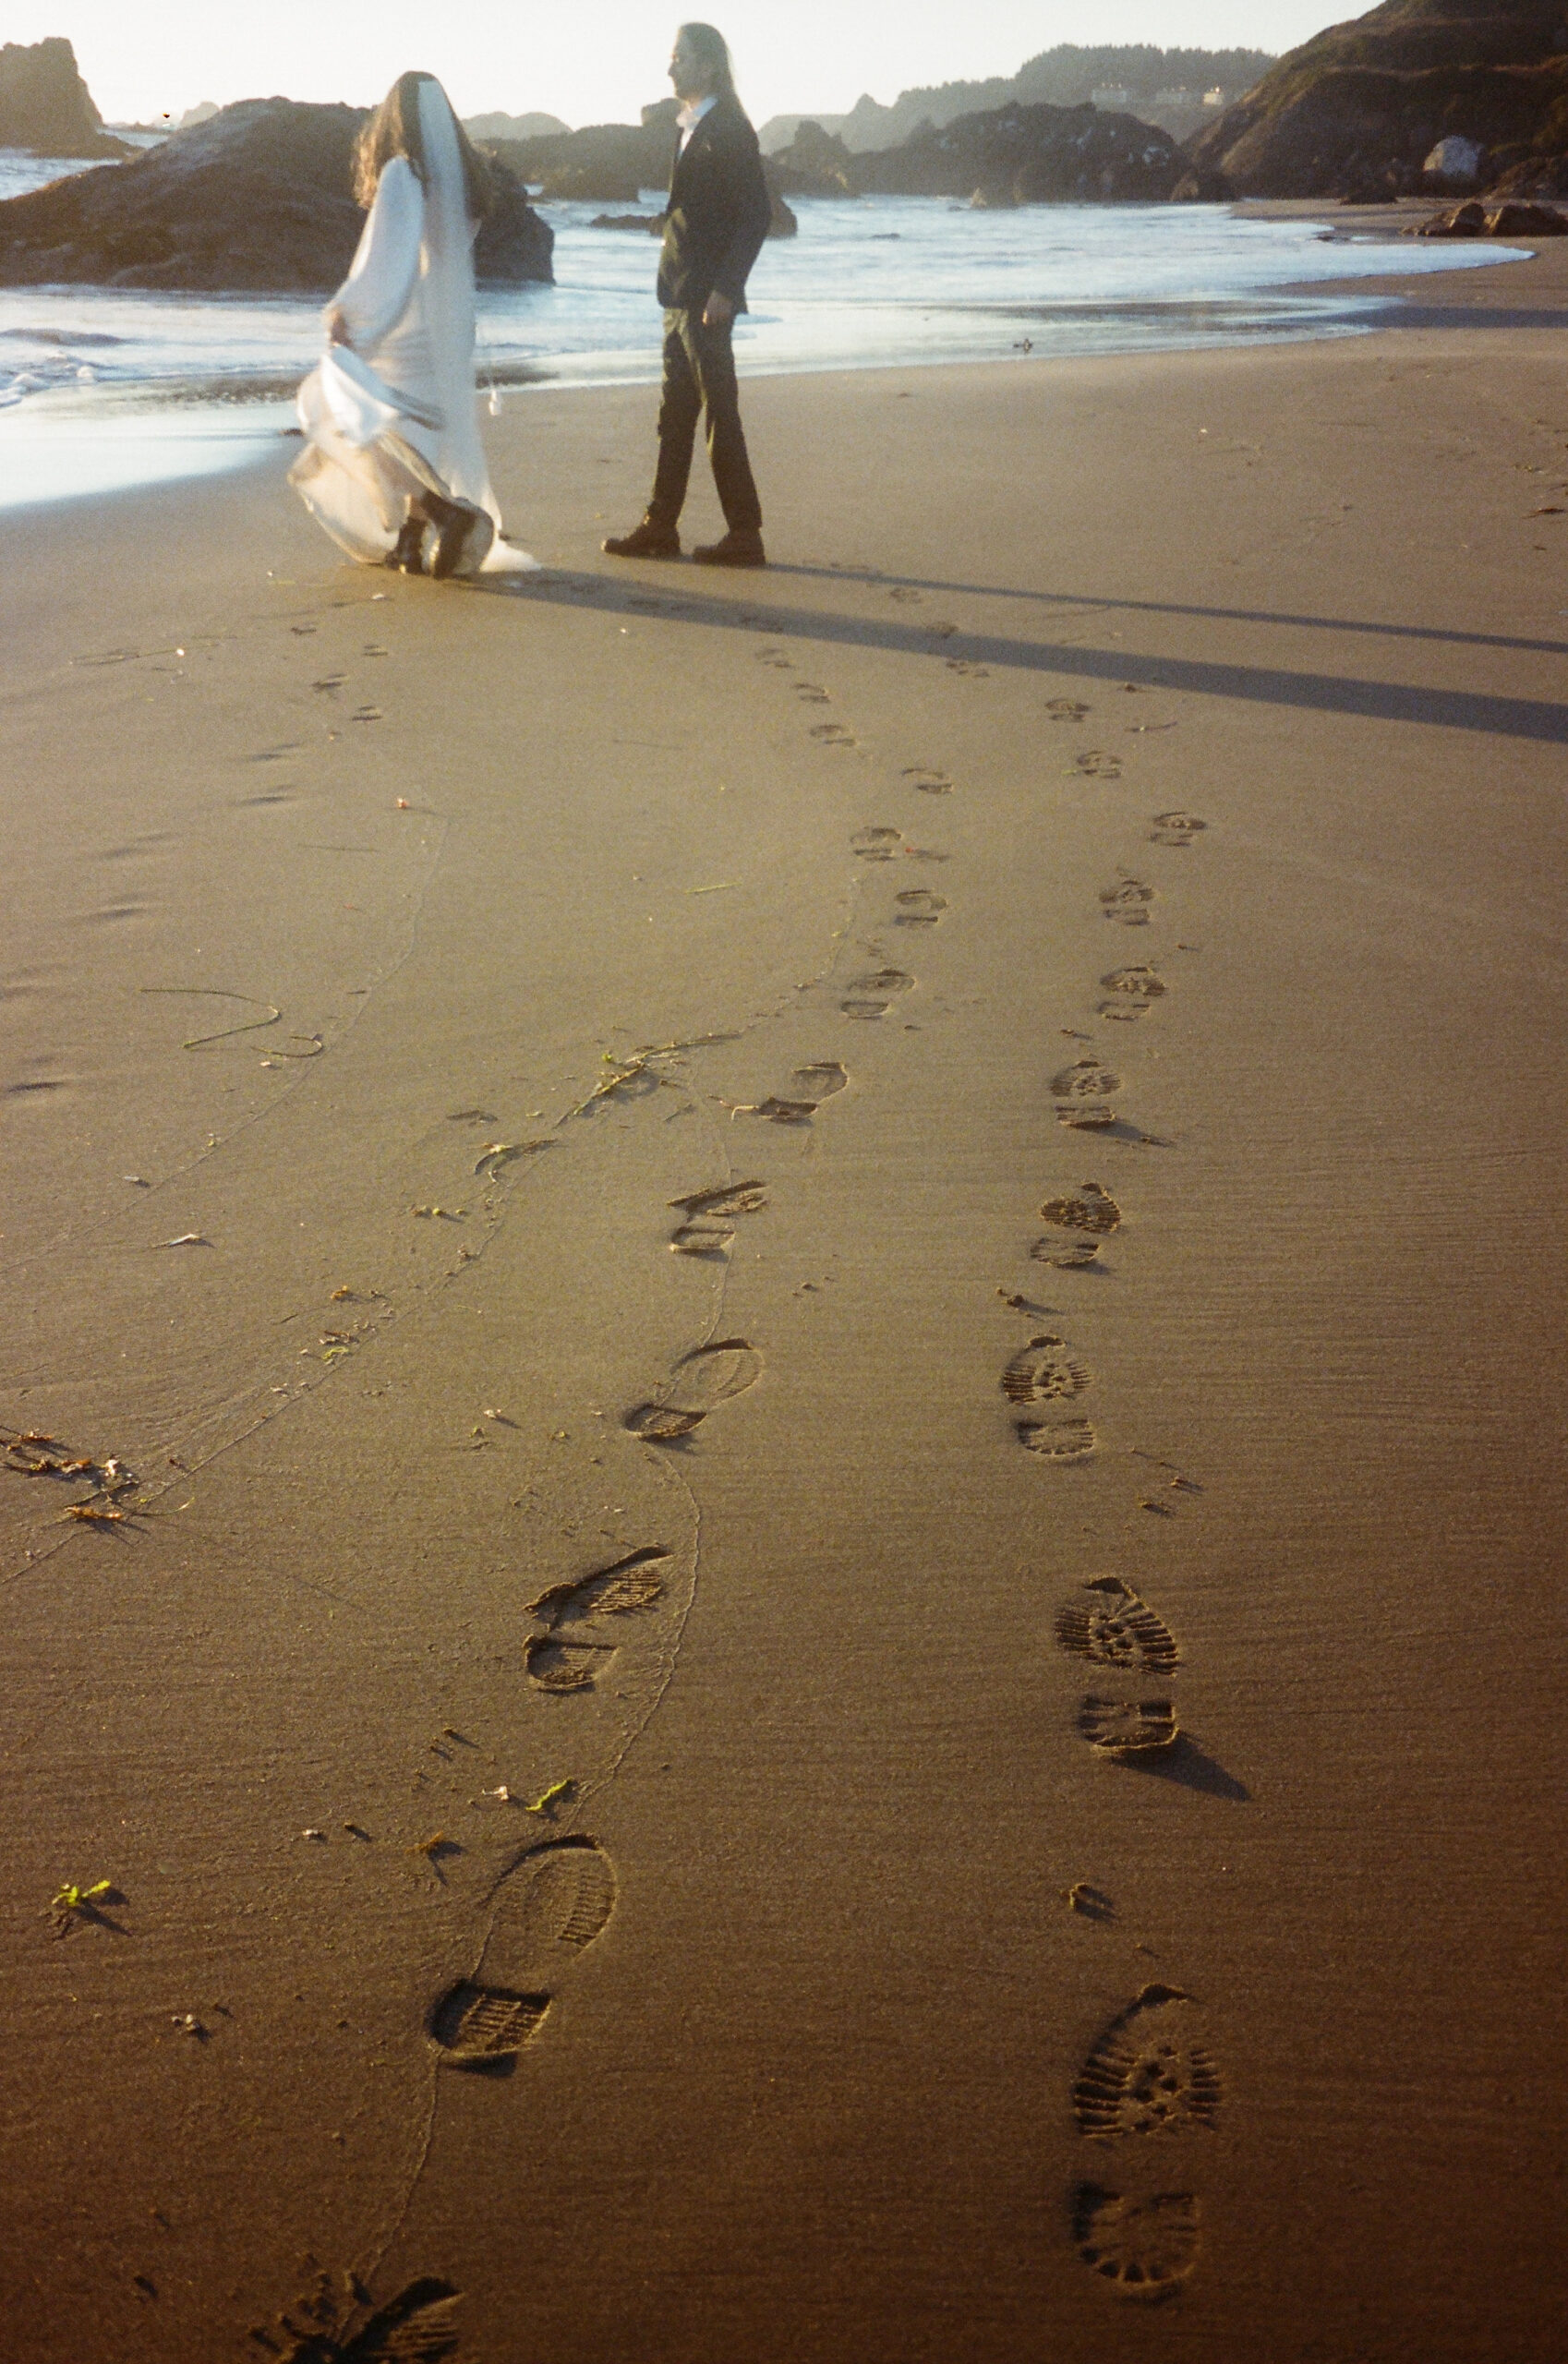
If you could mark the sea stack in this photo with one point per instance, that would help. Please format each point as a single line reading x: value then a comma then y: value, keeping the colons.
x: 45, y: 107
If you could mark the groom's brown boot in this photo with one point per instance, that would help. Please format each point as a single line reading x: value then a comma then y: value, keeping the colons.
x: 647, y: 540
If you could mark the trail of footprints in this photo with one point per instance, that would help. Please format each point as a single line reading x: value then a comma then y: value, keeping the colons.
x: 1149, y: 2075
x: 557, y: 1895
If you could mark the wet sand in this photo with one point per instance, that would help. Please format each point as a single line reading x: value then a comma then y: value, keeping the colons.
x: 839, y: 1628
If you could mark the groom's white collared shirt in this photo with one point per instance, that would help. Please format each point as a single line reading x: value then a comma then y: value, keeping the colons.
x: 690, y: 114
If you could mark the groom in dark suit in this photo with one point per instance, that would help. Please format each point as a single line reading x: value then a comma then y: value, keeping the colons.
x: 718, y: 217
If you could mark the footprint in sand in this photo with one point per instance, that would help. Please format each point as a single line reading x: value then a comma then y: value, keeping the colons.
x: 878, y: 844
x: 1132, y: 993
x: 810, y: 1086
x: 701, y: 1382
x: 1144, y: 2249
x: 1042, y: 1372
x: 905, y: 597
x: 1059, y: 1439
x: 1127, y: 902
x: 1127, y: 1727
x: 419, y: 2326
x: 570, y: 1649
x: 708, y: 1226
x: 1088, y: 1080
x: 929, y: 782
x: 1149, y: 2073
x: 1068, y: 1256
x: 967, y: 665
x: 1065, y: 709
x: 918, y: 907
x: 833, y: 734
x: 1113, y: 1627
x: 777, y: 659
x: 873, y: 995
x: 1175, y: 829
x: 1092, y: 1210
x: 811, y: 694
x: 1097, y: 763
x: 553, y: 1902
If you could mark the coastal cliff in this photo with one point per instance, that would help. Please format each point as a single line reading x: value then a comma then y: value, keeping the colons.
x: 1358, y: 110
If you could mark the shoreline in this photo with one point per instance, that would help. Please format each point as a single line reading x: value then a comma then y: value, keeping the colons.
x: 123, y: 431
x: 756, y: 1769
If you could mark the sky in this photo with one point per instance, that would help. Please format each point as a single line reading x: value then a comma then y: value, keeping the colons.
x: 600, y: 61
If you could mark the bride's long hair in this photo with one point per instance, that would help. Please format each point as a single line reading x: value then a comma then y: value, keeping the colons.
x: 394, y: 131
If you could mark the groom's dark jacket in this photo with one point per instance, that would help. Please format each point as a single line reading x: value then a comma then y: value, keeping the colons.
x: 719, y: 213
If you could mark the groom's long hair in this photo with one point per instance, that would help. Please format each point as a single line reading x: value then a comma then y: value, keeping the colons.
x: 394, y: 131
x: 711, y: 51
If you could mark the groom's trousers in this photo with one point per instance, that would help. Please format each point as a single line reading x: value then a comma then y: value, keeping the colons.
x: 699, y: 374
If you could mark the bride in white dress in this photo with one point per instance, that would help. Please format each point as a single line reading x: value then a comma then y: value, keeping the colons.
x: 393, y: 467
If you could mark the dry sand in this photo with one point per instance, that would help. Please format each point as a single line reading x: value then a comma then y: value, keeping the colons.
x: 552, y: 890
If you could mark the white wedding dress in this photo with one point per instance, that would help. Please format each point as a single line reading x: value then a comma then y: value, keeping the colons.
x: 394, y: 409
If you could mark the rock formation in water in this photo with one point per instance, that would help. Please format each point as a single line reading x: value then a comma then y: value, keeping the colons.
x: 260, y: 198
x: 1509, y: 220
x: 1014, y: 155
x: 1357, y: 111
x: 611, y: 163
x: 45, y: 105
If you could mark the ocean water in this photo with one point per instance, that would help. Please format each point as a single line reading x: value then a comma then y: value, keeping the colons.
x: 103, y: 387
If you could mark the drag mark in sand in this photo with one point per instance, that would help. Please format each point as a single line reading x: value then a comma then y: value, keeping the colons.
x: 1113, y: 1627
x: 703, y: 1380
x: 1145, y: 2249
x: 1148, y: 2073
